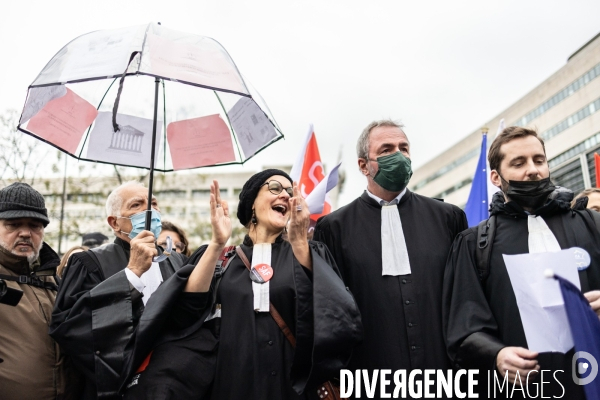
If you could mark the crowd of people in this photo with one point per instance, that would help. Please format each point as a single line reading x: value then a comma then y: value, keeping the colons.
x: 388, y: 282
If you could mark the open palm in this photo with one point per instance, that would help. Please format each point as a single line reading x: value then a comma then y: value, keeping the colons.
x: 220, y: 219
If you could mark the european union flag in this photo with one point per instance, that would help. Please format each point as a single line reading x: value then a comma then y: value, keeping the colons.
x: 585, y: 329
x: 477, y: 204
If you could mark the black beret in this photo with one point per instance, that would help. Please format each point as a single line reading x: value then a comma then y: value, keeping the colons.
x: 250, y: 191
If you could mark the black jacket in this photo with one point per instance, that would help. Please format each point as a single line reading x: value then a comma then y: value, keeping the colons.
x: 96, y: 311
x: 481, y: 318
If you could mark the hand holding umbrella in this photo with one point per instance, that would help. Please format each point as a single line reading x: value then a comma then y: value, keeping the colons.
x: 143, y: 250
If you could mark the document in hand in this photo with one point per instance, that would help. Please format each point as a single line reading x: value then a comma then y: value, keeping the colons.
x: 539, y: 299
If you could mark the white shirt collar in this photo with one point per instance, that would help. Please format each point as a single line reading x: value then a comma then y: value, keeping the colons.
x: 380, y: 201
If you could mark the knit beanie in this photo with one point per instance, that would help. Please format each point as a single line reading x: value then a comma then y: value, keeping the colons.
x: 250, y: 191
x: 19, y: 200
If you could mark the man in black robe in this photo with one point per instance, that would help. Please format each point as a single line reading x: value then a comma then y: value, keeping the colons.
x: 103, y: 291
x: 481, y: 315
x: 391, y: 255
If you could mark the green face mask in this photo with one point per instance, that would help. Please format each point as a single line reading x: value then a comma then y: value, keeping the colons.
x: 394, y: 172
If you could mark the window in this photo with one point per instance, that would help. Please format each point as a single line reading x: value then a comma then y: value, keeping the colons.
x: 459, y: 161
x: 200, y: 193
x: 560, y: 96
x: 454, y: 188
x: 592, y: 165
x: 170, y: 194
x: 205, y: 193
x: 572, y: 120
x: 569, y: 176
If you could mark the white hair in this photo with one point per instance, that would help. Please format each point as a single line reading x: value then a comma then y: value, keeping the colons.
x: 114, y: 200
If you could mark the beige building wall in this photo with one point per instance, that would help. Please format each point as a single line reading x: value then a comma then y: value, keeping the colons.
x: 453, y: 184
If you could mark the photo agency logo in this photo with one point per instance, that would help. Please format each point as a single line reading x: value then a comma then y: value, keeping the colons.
x: 418, y: 384
x: 437, y: 384
x: 585, y: 368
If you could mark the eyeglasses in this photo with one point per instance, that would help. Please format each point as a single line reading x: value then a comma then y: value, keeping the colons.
x: 276, y: 187
x: 32, y: 226
x: 178, y: 245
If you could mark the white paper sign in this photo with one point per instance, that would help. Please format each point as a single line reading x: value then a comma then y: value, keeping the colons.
x: 131, y: 145
x: 539, y: 298
x: 38, y: 97
x: 251, y: 125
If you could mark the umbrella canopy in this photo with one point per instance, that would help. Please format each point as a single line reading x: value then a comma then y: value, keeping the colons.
x: 104, y: 94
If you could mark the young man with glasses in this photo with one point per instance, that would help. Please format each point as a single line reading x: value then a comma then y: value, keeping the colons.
x: 32, y: 365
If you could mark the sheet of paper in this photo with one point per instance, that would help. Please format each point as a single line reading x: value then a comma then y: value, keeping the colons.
x: 63, y: 121
x: 199, y: 142
x: 539, y: 298
x: 251, y: 125
x: 131, y: 145
x: 38, y: 97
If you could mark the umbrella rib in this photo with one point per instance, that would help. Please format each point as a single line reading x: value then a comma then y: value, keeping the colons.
x: 237, y: 145
x: 164, y: 125
x: 264, y: 147
x: 95, y: 78
x: 234, y: 64
x: 197, y: 85
x: 87, y: 134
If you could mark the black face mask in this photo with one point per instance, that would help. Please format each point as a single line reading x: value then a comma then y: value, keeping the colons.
x: 529, y: 194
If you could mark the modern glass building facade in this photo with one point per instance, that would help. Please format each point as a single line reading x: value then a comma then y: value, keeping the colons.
x: 565, y: 110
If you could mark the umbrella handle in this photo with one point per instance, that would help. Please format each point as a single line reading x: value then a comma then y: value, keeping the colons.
x: 167, y: 251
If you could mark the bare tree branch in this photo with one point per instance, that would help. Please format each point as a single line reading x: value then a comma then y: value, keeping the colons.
x: 20, y: 154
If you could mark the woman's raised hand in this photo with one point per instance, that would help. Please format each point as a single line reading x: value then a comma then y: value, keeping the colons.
x: 299, y: 217
x: 201, y: 277
x: 219, y: 216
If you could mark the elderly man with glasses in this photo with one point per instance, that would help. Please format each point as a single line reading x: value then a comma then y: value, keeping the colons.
x: 32, y: 365
x: 105, y: 290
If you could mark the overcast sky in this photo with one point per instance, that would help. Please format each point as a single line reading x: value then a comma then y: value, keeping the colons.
x: 443, y: 68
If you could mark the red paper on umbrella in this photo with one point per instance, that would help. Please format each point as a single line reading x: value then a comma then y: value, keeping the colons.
x: 199, y: 141
x: 63, y: 121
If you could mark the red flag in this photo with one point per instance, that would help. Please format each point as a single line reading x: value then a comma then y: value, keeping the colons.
x: 308, y: 171
x: 312, y: 168
x: 597, y: 159
x: 313, y: 173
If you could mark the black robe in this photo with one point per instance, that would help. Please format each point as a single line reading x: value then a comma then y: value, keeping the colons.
x: 95, y: 314
x: 402, y: 315
x: 254, y: 359
x: 481, y: 319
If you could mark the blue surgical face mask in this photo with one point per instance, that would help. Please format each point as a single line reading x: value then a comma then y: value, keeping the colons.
x: 138, y: 224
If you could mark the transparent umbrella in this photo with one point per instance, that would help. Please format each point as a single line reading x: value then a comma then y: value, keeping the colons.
x: 148, y: 97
